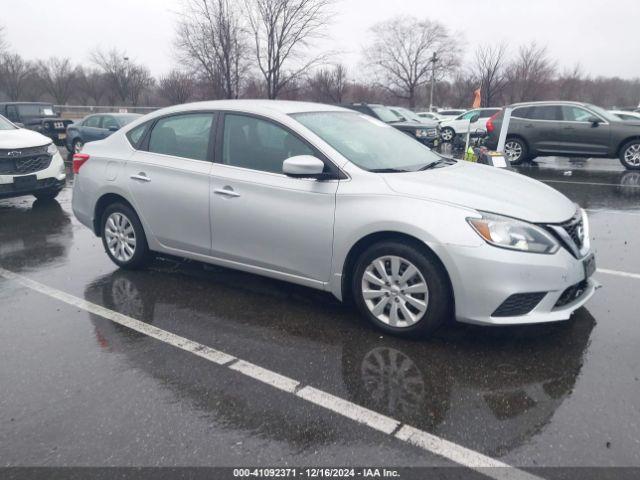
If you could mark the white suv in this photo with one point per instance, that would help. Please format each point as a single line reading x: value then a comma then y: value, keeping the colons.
x: 30, y: 163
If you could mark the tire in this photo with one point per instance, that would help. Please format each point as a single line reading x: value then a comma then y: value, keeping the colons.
x: 46, y: 196
x: 448, y: 134
x: 517, y: 145
x: 418, y: 313
x: 630, y: 155
x: 127, y: 246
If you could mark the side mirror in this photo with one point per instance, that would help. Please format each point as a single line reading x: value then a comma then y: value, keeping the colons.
x: 475, y: 118
x: 113, y: 128
x: 303, y: 166
x: 594, y: 121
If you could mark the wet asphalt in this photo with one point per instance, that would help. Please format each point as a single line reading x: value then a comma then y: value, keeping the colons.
x: 77, y: 389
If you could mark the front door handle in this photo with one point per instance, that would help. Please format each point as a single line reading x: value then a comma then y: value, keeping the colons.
x: 226, y: 191
x: 141, y: 176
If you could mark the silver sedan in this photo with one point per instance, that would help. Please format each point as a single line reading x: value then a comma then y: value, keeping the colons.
x: 335, y: 200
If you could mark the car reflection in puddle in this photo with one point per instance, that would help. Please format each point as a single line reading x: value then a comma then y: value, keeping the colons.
x: 488, y: 389
x: 34, y: 236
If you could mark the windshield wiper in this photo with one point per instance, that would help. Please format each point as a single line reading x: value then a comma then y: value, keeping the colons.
x: 388, y: 170
x: 434, y: 164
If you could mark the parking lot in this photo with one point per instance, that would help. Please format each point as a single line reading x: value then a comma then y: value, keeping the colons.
x: 189, y: 364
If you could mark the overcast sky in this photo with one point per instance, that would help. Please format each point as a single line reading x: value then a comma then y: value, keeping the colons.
x: 601, y: 35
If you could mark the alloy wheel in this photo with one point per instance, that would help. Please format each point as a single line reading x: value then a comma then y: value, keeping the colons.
x: 447, y: 134
x: 513, y: 150
x: 120, y: 237
x: 394, y: 291
x: 632, y: 155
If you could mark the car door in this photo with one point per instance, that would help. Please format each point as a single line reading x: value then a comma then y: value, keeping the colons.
x: 168, y: 178
x: 261, y: 217
x: 461, y: 124
x: 91, y: 129
x: 582, y: 137
x: 541, y: 127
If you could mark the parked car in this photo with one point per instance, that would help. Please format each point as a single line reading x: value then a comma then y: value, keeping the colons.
x: 30, y: 163
x: 472, y: 120
x: 96, y: 127
x: 448, y: 114
x: 626, y: 115
x: 331, y: 199
x: 431, y: 116
x: 571, y: 129
x: 410, y: 116
x: 426, y: 133
x: 37, y: 116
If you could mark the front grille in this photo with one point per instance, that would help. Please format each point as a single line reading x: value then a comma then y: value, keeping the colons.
x: 24, y: 165
x: 571, y: 294
x: 519, y: 304
x: 432, y: 132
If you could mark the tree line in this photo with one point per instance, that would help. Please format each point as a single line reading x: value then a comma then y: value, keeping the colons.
x: 266, y: 49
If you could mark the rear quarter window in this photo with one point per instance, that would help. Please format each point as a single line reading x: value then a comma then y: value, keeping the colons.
x: 135, y: 135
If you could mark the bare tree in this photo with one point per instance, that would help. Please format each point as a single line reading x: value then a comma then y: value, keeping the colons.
x: 282, y: 30
x: 125, y: 79
x: 177, y: 87
x: 402, y: 50
x: 15, y: 75
x: 491, y: 72
x: 571, y: 84
x: 328, y: 85
x: 3, y: 43
x: 57, y: 77
x: 91, y: 85
x: 211, y: 38
x: 530, y: 73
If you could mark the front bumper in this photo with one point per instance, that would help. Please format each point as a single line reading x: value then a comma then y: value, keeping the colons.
x: 484, y: 277
x: 51, y: 178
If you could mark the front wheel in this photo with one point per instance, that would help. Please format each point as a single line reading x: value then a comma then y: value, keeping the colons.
x: 448, y: 134
x: 123, y: 237
x: 402, y: 290
x: 630, y: 155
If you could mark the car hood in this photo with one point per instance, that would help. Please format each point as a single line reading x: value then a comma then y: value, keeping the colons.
x: 412, y: 125
x: 485, y: 188
x: 21, y: 138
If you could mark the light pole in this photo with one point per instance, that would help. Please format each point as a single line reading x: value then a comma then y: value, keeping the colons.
x: 434, y: 59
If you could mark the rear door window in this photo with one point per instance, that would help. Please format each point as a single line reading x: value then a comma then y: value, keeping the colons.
x: 546, y: 112
x: 185, y: 135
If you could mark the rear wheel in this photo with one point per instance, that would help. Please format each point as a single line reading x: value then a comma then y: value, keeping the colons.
x: 123, y: 237
x: 401, y: 289
x: 630, y: 155
x: 515, y: 150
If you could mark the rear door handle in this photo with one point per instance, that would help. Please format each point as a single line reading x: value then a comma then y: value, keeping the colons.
x: 140, y: 176
x: 226, y: 191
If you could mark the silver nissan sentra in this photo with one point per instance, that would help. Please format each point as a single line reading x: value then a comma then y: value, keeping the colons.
x: 335, y: 200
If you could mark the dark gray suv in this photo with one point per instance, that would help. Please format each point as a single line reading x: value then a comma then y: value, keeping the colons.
x: 570, y: 129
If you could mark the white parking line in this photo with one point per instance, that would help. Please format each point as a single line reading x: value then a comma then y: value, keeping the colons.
x: 619, y: 273
x: 421, y: 439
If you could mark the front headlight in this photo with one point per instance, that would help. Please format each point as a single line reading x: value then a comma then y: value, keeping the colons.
x: 52, y: 149
x: 421, y: 133
x: 513, y: 234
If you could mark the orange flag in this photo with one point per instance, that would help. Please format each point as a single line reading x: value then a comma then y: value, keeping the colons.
x: 476, y: 99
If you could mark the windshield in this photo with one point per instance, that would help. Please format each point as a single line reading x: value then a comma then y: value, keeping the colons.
x: 408, y: 114
x: 127, y: 118
x: 386, y: 115
x: 36, y: 110
x: 603, y: 113
x: 367, y: 142
x: 6, y: 124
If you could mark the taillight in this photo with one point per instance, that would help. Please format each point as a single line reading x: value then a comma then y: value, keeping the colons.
x: 78, y: 160
x: 490, y: 126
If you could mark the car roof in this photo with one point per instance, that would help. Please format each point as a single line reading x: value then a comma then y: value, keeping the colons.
x: 548, y: 102
x: 260, y: 106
